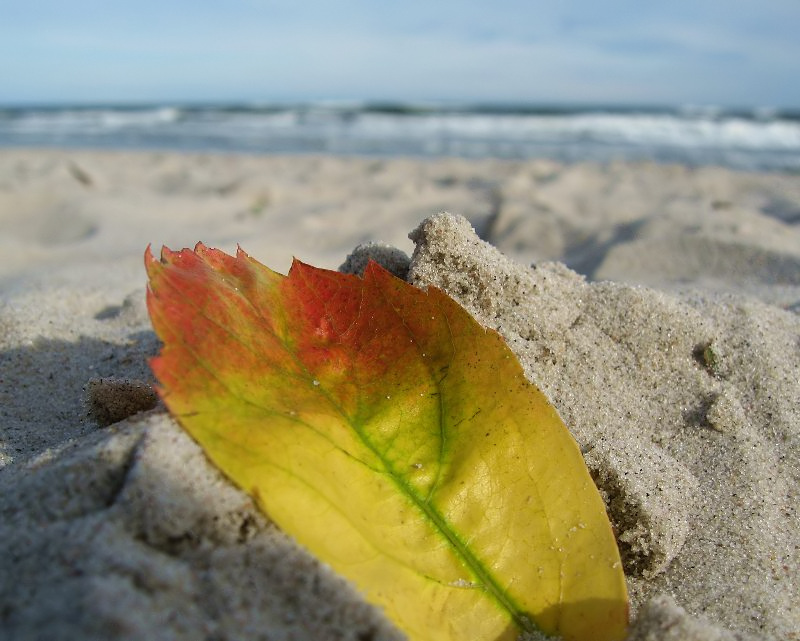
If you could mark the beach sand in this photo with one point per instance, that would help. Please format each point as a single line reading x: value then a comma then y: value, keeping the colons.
x: 660, y: 317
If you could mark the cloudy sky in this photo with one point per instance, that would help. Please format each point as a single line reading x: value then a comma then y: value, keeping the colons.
x: 725, y: 52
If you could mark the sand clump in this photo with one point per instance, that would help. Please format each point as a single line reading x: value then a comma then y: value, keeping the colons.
x: 111, y: 400
x: 684, y: 397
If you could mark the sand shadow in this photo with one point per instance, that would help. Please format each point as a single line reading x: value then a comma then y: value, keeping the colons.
x: 42, y: 387
x: 783, y: 210
x: 587, y: 256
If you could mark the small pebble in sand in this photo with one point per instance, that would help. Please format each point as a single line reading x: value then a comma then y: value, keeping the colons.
x: 110, y: 400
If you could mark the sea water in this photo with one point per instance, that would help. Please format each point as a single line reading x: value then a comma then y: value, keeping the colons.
x: 752, y: 139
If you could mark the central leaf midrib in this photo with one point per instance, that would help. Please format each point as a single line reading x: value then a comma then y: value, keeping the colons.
x: 445, y: 529
x: 478, y: 569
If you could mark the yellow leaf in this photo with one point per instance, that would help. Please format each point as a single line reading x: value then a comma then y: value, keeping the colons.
x: 394, y: 437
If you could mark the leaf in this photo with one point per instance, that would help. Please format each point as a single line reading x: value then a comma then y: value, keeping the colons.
x: 395, y: 438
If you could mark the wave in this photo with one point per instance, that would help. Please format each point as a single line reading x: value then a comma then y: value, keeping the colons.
x: 759, y: 138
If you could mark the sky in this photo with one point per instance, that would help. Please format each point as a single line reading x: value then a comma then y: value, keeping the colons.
x: 698, y: 52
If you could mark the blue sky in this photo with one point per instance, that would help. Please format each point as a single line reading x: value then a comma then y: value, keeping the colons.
x: 727, y: 52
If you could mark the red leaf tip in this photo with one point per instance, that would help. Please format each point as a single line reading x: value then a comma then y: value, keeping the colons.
x: 150, y: 261
x: 167, y: 255
x: 375, y: 272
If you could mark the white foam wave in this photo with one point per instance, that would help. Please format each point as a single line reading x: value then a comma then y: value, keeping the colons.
x: 686, y: 135
x: 734, y: 133
x: 88, y: 121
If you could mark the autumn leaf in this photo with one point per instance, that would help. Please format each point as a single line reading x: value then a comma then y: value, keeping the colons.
x: 395, y: 438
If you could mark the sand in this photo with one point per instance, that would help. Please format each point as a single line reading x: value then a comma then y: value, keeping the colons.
x: 660, y: 316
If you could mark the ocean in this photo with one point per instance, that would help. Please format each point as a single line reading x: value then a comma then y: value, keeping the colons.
x: 750, y: 139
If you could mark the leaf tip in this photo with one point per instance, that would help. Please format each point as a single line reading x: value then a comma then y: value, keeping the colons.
x: 374, y: 271
x: 151, y: 262
x: 299, y: 268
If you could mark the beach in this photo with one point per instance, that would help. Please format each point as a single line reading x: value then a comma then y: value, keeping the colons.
x: 655, y: 305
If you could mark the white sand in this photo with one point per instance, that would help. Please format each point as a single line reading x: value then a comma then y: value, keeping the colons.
x: 684, y: 397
